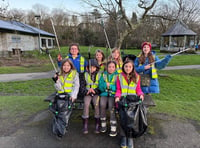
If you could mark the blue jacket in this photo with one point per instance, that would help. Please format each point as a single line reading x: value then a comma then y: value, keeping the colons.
x: 76, y: 62
x: 102, y: 83
x: 154, y: 84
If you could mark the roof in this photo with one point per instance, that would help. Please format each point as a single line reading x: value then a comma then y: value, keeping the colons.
x: 21, y: 27
x: 179, y: 29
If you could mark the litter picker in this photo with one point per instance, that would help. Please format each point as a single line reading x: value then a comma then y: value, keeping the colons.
x: 55, y: 34
x: 47, y: 51
x: 171, y: 55
x: 59, y: 57
x: 102, y: 23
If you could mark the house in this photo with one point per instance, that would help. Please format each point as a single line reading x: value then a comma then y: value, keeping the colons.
x: 16, y: 37
x: 178, y: 37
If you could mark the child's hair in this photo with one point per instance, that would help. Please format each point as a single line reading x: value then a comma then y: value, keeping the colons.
x: 132, y: 73
x: 119, y: 58
x: 74, y: 44
x: 109, y: 62
x: 93, y: 62
x: 100, y: 51
x: 142, y: 58
x: 70, y: 63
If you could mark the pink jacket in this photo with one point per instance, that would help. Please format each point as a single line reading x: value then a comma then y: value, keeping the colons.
x: 118, y: 91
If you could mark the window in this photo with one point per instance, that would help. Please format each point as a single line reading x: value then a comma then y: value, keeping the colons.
x: 49, y: 43
x: 16, y: 39
x: 43, y: 42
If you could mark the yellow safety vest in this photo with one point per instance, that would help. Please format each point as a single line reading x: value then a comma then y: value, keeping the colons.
x: 153, y: 70
x: 119, y: 68
x: 82, y: 61
x: 102, y: 68
x: 67, y: 82
x: 90, y: 83
x: 127, y: 89
x: 113, y: 81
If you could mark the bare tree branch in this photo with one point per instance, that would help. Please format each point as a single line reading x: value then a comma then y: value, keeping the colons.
x: 142, y: 5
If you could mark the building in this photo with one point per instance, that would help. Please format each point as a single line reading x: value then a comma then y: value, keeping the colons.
x: 16, y: 37
x: 177, y: 38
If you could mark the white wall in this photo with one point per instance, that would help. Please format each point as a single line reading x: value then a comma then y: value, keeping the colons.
x: 9, y: 41
x: 18, y: 41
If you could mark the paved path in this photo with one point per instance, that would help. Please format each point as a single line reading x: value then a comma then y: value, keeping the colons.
x: 25, y: 76
x: 168, y: 132
x: 41, y: 75
x: 183, y: 67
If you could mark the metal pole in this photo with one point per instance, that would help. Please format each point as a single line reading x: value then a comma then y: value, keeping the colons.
x: 171, y: 55
x: 47, y: 51
x: 55, y: 34
x: 106, y: 36
x: 38, y: 23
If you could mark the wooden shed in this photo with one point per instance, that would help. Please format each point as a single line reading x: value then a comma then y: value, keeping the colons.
x: 17, y: 37
x: 177, y: 38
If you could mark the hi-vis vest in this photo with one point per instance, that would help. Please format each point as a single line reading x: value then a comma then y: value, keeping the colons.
x: 102, y: 67
x: 112, y: 82
x: 67, y: 82
x: 90, y: 83
x: 119, y: 68
x: 127, y: 89
x: 82, y: 61
x: 153, y: 70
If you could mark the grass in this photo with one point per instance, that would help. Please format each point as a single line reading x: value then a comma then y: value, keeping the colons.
x: 179, y: 90
x: 38, y: 87
x: 15, y: 109
x: 25, y: 69
x: 47, y: 66
x: 179, y: 94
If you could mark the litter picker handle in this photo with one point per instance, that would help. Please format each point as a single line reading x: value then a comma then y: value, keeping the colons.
x: 47, y: 51
x: 55, y: 34
x: 106, y: 36
x: 171, y: 55
x: 180, y: 52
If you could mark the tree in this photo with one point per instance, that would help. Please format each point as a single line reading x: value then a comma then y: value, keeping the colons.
x: 16, y: 14
x: 115, y: 10
x: 3, y: 8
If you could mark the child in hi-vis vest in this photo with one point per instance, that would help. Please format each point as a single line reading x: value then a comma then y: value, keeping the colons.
x: 128, y: 83
x: 67, y: 86
x: 107, y: 86
x: 91, y: 92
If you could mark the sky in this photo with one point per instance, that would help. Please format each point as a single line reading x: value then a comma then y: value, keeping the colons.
x: 72, y: 5
x: 68, y: 5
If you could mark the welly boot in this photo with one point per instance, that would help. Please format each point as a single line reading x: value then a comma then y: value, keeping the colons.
x: 85, y: 125
x: 123, y: 142
x: 113, y: 128
x: 130, y: 143
x: 97, y: 125
x: 103, y: 125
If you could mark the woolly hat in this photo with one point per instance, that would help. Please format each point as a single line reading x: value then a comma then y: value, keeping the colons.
x: 93, y: 62
x: 146, y: 43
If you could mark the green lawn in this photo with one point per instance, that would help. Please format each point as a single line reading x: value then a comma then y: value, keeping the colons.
x: 179, y: 95
x: 191, y: 59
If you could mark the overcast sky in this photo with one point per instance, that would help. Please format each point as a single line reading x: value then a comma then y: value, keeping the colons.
x: 69, y: 5
x: 72, y: 5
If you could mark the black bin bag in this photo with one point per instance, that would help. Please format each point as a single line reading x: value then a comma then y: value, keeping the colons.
x: 132, y: 114
x: 61, y: 108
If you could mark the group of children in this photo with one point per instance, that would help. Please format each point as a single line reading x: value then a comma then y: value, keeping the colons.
x: 106, y: 81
